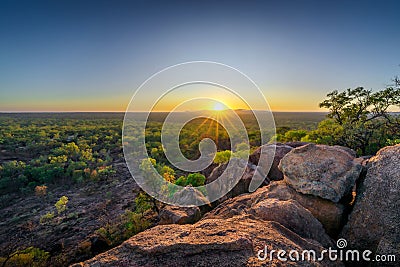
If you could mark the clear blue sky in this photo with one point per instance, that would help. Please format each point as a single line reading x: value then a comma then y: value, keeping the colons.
x: 92, y: 55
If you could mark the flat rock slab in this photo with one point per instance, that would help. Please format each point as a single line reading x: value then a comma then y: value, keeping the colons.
x: 213, y: 242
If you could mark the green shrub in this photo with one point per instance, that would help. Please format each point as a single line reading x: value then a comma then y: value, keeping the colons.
x: 181, y: 181
x: 142, y: 203
x: 222, y: 156
x: 48, y: 217
x: 30, y: 256
x: 61, y: 204
x: 195, y: 179
x: 127, y: 225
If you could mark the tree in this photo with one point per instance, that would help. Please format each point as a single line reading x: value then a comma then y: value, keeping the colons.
x: 361, y: 119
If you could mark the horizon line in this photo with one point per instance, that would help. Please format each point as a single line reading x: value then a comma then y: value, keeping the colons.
x: 156, y: 111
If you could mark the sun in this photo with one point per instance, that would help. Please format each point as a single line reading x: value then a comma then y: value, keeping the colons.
x: 218, y: 106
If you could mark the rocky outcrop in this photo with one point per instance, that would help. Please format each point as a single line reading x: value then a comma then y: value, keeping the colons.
x: 235, y: 241
x: 233, y: 234
x: 263, y: 165
x: 304, y: 211
x: 179, y: 215
x: 289, y: 213
x: 320, y: 170
x: 374, y: 223
x: 330, y: 214
x: 263, y: 155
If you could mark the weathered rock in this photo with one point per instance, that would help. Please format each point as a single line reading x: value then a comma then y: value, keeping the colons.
x: 293, y: 216
x: 320, y: 170
x: 189, y: 196
x: 207, y: 171
x: 179, y: 215
x: 242, y: 185
x: 265, y: 153
x: 295, y: 144
x: 348, y: 150
x: 374, y: 223
x: 214, y: 242
x: 330, y: 214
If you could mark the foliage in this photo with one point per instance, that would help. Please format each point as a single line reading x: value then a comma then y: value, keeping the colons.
x: 392, y: 142
x: 222, y: 156
x: 360, y: 119
x: 40, y: 190
x: 290, y: 136
x: 61, y: 204
x: 52, y: 150
x: 48, y: 217
x: 193, y: 179
x: 30, y: 256
x: 142, y: 203
x: 181, y: 181
x: 328, y: 132
x: 168, y: 173
x: 105, y: 171
x: 12, y: 176
x: 127, y: 225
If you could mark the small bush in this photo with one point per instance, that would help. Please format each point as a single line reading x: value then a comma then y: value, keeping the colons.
x: 127, y: 225
x: 222, y: 156
x: 142, y: 203
x: 61, y: 204
x: 30, y: 256
x: 40, y: 190
x: 48, y: 217
x: 195, y: 179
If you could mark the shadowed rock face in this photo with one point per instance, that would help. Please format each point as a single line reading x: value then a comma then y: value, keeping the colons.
x: 250, y: 172
x: 319, y: 170
x: 374, y: 223
x: 263, y: 156
x: 212, y: 242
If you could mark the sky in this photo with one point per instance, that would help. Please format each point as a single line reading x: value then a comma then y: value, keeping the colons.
x: 93, y: 55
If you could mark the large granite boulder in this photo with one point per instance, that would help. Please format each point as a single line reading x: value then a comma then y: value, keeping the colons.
x: 179, y: 215
x: 374, y: 223
x: 320, y: 170
x: 263, y: 156
x: 293, y: 216
x: 236, y: 241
